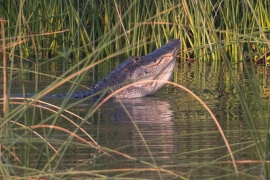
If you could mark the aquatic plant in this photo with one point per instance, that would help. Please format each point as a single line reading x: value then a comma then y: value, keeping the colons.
x: 41, y: 38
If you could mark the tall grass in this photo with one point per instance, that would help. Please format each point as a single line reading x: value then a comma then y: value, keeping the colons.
x: 111, y: 26
x: 78, y: 36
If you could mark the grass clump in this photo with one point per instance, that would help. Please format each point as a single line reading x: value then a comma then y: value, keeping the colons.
x: 41, y: 38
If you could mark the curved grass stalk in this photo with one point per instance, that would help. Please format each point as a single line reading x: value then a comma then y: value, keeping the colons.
x: 37, y: 135
x: 55, y: 85
x: 51, y: 110
x: 93, y: 145
x: 185, y: 89
x: 105, y: 150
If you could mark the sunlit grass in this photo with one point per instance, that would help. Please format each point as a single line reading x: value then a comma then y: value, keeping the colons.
x: 88, y: 34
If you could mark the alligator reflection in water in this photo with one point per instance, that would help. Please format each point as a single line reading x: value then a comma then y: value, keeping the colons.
x: 153, y: 118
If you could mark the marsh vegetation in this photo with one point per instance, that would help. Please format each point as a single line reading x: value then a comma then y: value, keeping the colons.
x: 62, y: 46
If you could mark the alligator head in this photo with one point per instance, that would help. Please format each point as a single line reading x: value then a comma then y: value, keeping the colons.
x: 157, y: 65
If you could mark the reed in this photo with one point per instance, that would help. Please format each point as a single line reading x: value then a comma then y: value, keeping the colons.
x: 78, y: 37
x: 93, y: 24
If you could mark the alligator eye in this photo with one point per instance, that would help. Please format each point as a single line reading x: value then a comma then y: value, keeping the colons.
x: 135, y: 59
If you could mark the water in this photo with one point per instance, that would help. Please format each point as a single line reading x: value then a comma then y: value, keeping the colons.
x: 170, y: 130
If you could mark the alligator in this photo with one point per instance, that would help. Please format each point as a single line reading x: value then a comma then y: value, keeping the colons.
x: 158, y: 65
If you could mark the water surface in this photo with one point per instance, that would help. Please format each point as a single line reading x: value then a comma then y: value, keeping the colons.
x: 170, y: 130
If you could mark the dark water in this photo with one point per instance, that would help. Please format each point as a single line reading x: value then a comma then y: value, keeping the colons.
x: 170, y: 130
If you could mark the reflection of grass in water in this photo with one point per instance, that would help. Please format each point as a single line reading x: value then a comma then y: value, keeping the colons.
x: 91, y: 34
